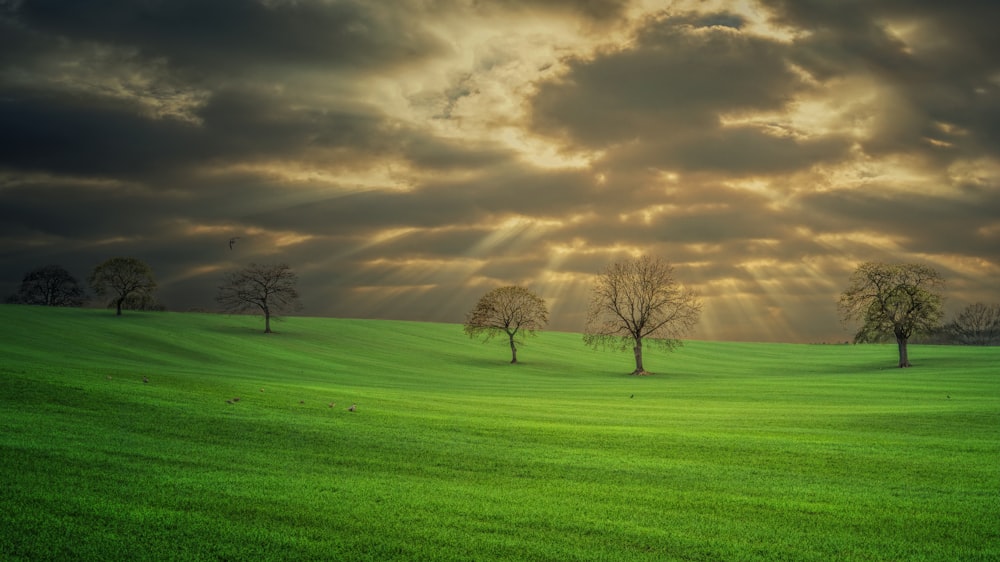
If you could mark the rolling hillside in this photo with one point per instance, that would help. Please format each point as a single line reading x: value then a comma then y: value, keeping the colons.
x: 735, y: 451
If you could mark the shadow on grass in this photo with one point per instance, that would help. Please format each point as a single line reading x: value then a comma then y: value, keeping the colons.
x: 245, y: 325
x: 242, y: 330
x: 548, y: 369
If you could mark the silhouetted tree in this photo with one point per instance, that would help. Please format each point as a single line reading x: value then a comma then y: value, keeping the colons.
x: 268, y: 289
x: 893, y: 299
x: 514, y: 311
x: 637, y: 300
x: 977, y: 324
x: 125, y: 280
x: 49, y: 285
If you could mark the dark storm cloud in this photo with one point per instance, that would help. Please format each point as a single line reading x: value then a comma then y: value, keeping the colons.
x: 929, y: 224
x: 674, y: 76
x: 594, y: 10
x: 91, y: 136
x: 945, y: 73
x: 739, y: 150
x: 68, y: 210
x: 250, y: 124
x: 443, y: 154
x: 486, y: 197
x: 72, y: 99
x: 966, y: 27
x: 660, y: 100
x: 234, y: 36
x: 79, y: 210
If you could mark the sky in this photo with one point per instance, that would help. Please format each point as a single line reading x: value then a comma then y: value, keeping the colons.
x: 405, y: 157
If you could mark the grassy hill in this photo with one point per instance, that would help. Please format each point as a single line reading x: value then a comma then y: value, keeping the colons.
x: 733, y: 451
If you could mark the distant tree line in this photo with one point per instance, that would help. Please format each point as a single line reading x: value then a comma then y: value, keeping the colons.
x: 633, y: 302
x: 637, y: 301
x: 976, y: 324
x: 49, y: 285
x: 128, y: 284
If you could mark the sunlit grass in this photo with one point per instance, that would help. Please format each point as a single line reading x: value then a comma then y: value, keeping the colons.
x: 732, y: 452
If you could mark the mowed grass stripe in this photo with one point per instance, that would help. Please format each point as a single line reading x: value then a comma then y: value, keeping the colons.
x: 734, y: 451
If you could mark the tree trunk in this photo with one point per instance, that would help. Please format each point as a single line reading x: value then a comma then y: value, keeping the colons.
x: 904, y: 360
x: 118, y: 306
x: 267, y: 321
x: 637, y: 350
x: 513, y: 350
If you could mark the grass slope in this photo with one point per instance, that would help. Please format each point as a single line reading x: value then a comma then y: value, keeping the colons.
x: 733, y: 452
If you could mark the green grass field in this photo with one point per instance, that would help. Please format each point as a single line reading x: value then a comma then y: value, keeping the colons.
x: 733, y: 451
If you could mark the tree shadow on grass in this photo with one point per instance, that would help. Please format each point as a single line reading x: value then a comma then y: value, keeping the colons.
x: 242, y: 326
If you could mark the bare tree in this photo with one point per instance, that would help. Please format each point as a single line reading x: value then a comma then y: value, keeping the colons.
x: 49, y: 285
x: 977, y: 324
x: 268, y: 289
x: 514, y: 311
x: 893, y: 299
x: 637, y: 300
x: 125, y: 279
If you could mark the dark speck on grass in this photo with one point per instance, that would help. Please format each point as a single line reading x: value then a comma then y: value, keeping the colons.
x: 145, y: 379
x: 237, y: 399
x: 353, y: 408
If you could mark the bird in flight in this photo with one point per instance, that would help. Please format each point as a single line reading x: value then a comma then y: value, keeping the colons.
x: 233, y: 241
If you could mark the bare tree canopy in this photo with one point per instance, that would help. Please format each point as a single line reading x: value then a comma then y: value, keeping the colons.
x: 514, y: 311
x: 977, y: 324
x: 49, y: 285
x: 637, y: 300
x: 893, y: 300
x: 267, y: 289
x: 125, y: 279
